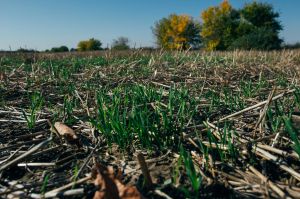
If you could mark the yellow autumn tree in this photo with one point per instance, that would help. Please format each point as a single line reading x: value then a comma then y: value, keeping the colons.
x: 177, y: 32
x: 89, y: 45
x: 217, y: 29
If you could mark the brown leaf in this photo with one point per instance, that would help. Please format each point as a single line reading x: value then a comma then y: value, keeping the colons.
x: 2, y: 76
x: 296, y: 111
x: 296, y: 121
x: 110, y: 186
x: 65, y: 131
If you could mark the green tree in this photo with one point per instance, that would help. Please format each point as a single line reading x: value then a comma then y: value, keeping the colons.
x: 122, y: 43
x: 89, y: 45
x: 24, y: 50
x: 261, y: 15
x: 264, y: 34
x: 60, y: 49
x: 255, y: 26
x: 177, y: 32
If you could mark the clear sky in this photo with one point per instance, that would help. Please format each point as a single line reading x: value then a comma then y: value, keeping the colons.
x: 42, y: 24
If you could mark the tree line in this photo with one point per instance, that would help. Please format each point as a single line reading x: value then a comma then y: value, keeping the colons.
x: 254, y: 26
x: 122, y: 43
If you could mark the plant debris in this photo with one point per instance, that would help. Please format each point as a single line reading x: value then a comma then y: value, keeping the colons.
x: 110, y: 186
x: 139, y: 124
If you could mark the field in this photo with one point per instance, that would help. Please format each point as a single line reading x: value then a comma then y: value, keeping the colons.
x: 209, y: 125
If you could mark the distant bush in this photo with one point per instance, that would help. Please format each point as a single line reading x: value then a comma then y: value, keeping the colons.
x: 73, y: 50
x: 89, y: 45
x: 292, y: 46
x: 23, y: 50
x: 122, y: 43
x: 60, y: 49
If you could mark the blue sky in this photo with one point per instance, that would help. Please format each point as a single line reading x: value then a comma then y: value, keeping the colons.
x: 42, y: 24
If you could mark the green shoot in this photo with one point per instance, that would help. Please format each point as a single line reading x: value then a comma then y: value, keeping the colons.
x: 35, y: 106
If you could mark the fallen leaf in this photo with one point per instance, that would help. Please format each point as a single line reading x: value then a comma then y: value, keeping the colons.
x: 296, y: 121
x: 2, y: 76
x: 110, y: 185
x: 65, y: 131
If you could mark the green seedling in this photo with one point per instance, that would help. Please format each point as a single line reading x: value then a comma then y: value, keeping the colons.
x: 212, y: 139
x: 75, y: 174
x: 68, y: 109
x: 204, y: 150
x: 293, y: 134
x: 248, y: 88
x: 44, y: 185
x: 194, y: 178
x: 227, y: 140
x: 144, y: 113
x: 36, y: 102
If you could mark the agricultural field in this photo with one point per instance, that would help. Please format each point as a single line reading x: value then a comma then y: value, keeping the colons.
x: 150, y: 125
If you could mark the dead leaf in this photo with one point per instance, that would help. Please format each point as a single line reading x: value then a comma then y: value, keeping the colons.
x: 296, y: 121
x: 65, y: 131
x: 110, y: 185
x: 2, y: 76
